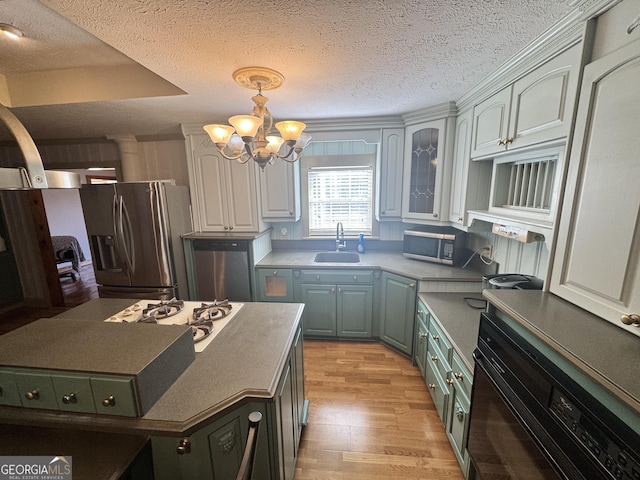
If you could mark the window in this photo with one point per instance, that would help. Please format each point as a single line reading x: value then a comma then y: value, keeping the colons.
x: 339, y: 188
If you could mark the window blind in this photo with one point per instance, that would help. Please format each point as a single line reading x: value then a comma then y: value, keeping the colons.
x: 340, y: 194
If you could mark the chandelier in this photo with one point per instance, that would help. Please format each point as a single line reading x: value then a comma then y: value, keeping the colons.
x: 249, y: 137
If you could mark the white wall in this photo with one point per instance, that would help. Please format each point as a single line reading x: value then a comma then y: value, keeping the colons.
x: 64, y: 215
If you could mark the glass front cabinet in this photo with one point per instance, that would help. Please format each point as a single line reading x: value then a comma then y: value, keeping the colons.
x: 426, y: 171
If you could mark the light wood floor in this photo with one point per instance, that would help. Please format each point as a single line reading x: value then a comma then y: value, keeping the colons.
x: 371, y: 417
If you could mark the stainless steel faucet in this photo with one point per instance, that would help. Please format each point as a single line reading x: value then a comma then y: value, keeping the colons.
x: 340, y: 241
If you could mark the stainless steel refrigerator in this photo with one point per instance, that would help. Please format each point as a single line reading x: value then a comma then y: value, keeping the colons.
x: 134, y: 231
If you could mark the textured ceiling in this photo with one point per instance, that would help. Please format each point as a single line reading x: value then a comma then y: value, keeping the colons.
x: 340, y: 58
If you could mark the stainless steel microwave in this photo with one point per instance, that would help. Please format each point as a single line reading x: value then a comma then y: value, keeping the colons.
x: 434, y: 244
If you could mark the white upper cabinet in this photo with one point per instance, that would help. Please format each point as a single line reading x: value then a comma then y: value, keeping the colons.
x: 280, y: 191
x: 391, y: 161
x: 224, y: 193
x: 534, y: 109
x: 427, y: 172
x: 470, y: 180
x: 597, y: 261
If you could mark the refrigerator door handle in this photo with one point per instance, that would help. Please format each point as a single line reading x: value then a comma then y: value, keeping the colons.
x: 117, y: 235
x: 159, y: 234
x: 126, y: 233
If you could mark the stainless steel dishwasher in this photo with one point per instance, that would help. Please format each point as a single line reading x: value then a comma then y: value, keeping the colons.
x: 222, y: 269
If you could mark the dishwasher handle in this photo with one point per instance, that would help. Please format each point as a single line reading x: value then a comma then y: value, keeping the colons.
x: 219, y: 245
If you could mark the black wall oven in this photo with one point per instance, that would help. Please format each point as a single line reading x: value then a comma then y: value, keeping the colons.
x: 535, y: 416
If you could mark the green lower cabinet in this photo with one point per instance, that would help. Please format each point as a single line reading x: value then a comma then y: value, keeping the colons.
x: 397, y: 307
x: 458, y: 425
x: 215, y: 451
x: 274, y: 285
x: 337, y: 310
x: 438, y: 388
x: 422, y: 338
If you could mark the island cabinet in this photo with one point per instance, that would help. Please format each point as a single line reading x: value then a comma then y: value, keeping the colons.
x: 224, y: 193
x: 397, y: 307
x: 536, y: 108
x: 275, y: 284
x: 338, y: 303
x: 215, y: 451
x: 597, y: 261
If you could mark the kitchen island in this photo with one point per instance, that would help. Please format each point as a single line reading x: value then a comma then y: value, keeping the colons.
x: 252, y: 364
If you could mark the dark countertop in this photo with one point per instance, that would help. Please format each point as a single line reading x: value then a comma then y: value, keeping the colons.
x: 608, y: 354
x: 391, y: 262
x: 458, y: 319
x: 243, y: 363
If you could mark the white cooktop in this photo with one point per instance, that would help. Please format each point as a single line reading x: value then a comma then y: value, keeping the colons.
x: 134, y: 312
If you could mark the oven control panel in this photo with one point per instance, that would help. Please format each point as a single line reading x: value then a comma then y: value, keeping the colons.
x: 619, y: 464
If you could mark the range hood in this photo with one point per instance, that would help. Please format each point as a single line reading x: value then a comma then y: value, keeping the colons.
x: 32, y: 175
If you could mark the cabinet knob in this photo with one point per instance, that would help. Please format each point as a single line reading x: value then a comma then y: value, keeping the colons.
x: 110, y: 401
x: 275, y: 273
x: 412, y: 285
x: 432, y: 386
x: 508, y: 140
x: 501, y: 142
x: 420, y: 312
x: 633, y: 26
x: 459, y: 376
x: 333, y: 289
x: 32, y: 395
x: 339, y: 290
x: 459, y: 413
x: 424, y: 335
x: 184, y: 446
x: 435, y: 215
x: 434, y: 358
x: 435, y: 337
x: 317, y: 277
x: 68, y: 399
x: 231, y: 227
x: 460, y: 219
x: 630, y: 319
x: 449, y: 381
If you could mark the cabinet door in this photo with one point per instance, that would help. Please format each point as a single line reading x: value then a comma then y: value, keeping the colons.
x: 422, y: 336
x: 542, y: 102
x: 397, y: 307
x: 242, y: 196
x: 207, y: 187
x: 301, y: 403
x: 391, y: 162
x: 319, y: 317
x: 287, y: 425
x: 280, y: 191
x: 423, y: 171
x: 355, y: 310
x: 597, y: 263
x: 438, y: 389
x: 490, y: 124
x: 275, y: 285
x: 471, y: 181
x: 457, y: 425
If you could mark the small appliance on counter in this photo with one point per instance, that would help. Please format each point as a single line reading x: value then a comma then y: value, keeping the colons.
x: 514, y: 281
x: 435, y: 244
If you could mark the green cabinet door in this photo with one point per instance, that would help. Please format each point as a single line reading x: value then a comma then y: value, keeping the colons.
x: 319, y: 317
x: 422, y: 339
x: 286, y: 414
x: 355, y: 310
x: 398, y: 302
x: 275, y: 285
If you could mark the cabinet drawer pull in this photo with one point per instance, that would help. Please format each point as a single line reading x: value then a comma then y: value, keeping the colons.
x: 424, y: 335
x: 501, y: 142
x: 434, y: 358
x: 459, y: 413
x: 183, y: 447
x: 449, y: 381
x: 432, y: 386
x: 32, y: 395
x: 436, y: 337
x: 420, y: 312
x: 71, y: 398
x: 459, y: 376
x: 110, y: 401
x: 508, y: 140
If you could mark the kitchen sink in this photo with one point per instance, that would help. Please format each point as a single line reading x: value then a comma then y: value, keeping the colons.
x: 337, y: 257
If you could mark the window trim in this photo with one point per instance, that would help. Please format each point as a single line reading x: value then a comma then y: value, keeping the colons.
x: 342, y: 160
